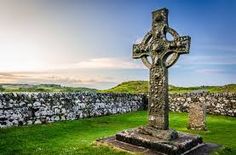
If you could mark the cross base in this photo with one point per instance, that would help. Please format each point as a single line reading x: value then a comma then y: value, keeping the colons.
x: 163, y: 141
x: 154, y: 132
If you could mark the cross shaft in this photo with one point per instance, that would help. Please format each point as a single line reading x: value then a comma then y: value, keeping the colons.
x: 163, y: 53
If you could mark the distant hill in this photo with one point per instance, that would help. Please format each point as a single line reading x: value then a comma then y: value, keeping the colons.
x: 42, y: 88
x: 132, y: 87
x: 142, y: 87
x: 129, y: 87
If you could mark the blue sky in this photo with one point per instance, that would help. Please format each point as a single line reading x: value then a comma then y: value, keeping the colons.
x: 89, y: 43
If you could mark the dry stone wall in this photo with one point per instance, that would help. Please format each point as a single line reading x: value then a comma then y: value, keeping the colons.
x: 216, y: 103
x: 18, y: 109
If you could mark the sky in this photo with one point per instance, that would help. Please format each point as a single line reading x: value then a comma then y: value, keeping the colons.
x: 89, y: 43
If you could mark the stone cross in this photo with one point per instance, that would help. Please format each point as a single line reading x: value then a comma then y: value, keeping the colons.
x: 163, y: 54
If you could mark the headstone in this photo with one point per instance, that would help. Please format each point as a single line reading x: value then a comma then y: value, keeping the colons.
x: 163, y: 54
x: 197, y: 116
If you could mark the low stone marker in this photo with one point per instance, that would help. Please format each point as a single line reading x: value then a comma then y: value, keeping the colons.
x: 197, y: 116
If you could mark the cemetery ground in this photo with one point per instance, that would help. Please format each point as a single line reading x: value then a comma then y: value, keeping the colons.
x: 78, y: 136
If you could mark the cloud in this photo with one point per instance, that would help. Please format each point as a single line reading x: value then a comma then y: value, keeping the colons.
x: 97, y: 73
x: 6, y: 77
x: 210, y: 71
x: 107, y: 63
x: 94, y: 63
x: 209, y: 60
x: 215, y: 47
x: 44, y: 77
x: 72, y: 80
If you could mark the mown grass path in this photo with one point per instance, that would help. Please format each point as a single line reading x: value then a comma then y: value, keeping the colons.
x: 76, y: 137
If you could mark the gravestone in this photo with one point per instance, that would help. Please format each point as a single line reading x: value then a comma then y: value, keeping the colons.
x: 163, y: 54
x: 197, y: 116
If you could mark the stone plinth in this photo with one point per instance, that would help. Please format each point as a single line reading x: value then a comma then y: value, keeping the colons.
x: 164, y: 141
x: 201, y: 149
x: 197, y: 116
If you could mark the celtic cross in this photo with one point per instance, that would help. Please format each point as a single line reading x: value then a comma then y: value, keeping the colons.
x: 163, y: 54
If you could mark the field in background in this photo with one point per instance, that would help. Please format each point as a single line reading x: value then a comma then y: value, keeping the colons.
x: 77, y: 137
x: 125, y: 87
x: 42, y: 88
x: 142, y: 87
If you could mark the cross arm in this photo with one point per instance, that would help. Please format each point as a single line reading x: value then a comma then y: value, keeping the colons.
x: 181, y: 45
x: 142, y: 49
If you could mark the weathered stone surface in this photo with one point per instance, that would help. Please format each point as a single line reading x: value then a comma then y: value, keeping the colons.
x: 197, y: 116
x: 201, y: 149
x: 161, y: 134
x: 37, y: 122
x: 36, y: 104
x: 164, y: 53
x: 216, y: 103
x: 220, y: 104
x: 36, y: 108
x: 179, y: 145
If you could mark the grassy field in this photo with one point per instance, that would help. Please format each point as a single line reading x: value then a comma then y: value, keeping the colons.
x: 132, y: 87
x: 42, y: 88
x: 76, y: 137
x: 142, y: 87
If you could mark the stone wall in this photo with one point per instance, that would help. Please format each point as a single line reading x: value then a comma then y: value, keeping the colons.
x: 216, y: 103
x: 18, y: 109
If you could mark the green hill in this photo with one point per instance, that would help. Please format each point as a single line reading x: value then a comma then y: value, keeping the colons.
x: 142, y: 87
x: 129, y: 87
x: 132, y: 87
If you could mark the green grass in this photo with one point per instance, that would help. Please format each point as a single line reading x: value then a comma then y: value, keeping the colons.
x: 76, y: 137
x: 135, y: 87
x: 132, y: 87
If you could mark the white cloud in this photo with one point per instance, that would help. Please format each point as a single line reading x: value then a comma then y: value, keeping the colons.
x: 95, y: 63
x: 209, y: 60
x: 43, y: 77
x: 107, y: 63
x: 217, y: 47
x: 209, y: 71
x: 77, y: 74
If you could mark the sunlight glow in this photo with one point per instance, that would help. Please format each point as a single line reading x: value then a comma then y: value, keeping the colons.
x: 20, y: 55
